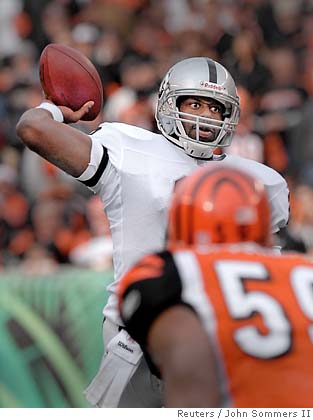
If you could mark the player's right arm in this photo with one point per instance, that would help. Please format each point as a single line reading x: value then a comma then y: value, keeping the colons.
x: 64, y: 146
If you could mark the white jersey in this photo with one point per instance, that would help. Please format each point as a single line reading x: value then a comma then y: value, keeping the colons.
x: 136, y: 185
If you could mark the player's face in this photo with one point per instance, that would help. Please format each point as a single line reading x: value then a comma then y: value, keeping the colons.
x: 203, y: 107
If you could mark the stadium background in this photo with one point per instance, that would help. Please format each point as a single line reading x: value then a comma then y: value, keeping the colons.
x: 55, y: 248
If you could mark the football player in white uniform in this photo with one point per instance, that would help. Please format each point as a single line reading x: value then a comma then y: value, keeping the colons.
x: 134, y: 172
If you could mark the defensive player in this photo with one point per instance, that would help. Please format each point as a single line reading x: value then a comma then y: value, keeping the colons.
x: 134, y: 172
x: 225, y: 320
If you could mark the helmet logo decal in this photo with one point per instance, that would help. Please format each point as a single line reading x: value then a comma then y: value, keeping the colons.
x: 213, y: 86
x: 170, y: 102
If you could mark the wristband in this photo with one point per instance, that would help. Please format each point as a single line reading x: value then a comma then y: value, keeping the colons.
x: 53, y: 109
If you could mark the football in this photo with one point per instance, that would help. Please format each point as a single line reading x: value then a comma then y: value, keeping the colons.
x: 69, y: 78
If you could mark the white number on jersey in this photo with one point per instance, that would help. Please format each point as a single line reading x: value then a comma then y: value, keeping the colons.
x: 242, y: 304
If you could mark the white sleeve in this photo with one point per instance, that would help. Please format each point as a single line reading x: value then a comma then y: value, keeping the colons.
x: 105, y: 152
x: 280, y: 208
x: 275, y: 184
x: 96, y: 156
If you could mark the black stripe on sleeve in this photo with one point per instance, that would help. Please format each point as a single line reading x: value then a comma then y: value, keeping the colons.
x: 94, y: 131
x: 212, y: 71
x: 104, y: 161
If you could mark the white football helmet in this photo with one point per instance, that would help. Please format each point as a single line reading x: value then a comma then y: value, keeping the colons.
x: 198, y: 76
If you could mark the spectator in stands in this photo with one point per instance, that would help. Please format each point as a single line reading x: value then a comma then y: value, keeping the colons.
x: 246, y: 64
x: 244, y: 35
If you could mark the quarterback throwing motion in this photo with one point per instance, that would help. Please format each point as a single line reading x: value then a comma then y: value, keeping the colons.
x: 134, y: 171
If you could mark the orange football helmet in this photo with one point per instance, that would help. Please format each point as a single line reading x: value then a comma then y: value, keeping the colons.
x: 219, y: 204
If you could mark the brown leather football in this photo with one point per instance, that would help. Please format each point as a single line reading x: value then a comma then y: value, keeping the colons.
x: 70, y: 79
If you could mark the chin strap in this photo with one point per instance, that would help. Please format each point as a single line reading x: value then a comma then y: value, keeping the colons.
x: 200, y: 151
x: 206, y: 154
x: 219, y: 157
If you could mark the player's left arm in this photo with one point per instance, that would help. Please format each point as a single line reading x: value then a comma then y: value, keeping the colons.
x: 179, y: 346
x: 280, y: 208
x: 152, y: 308
x: 144, y: 291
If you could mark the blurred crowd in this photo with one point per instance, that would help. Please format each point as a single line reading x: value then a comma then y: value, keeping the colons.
x: 47, y: 218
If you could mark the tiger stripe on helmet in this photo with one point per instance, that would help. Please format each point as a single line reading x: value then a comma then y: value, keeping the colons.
x: 225, y: 203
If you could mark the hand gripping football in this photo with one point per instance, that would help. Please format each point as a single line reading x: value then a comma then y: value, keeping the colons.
x: 69, y: 78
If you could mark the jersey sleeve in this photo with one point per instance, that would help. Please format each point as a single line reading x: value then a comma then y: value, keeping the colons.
x: 149, y: 288
x: 280, y: 208
x: 275, y: 185
x: 105, y: 156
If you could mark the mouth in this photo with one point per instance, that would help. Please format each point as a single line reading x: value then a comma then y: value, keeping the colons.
x: 206, y: 134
